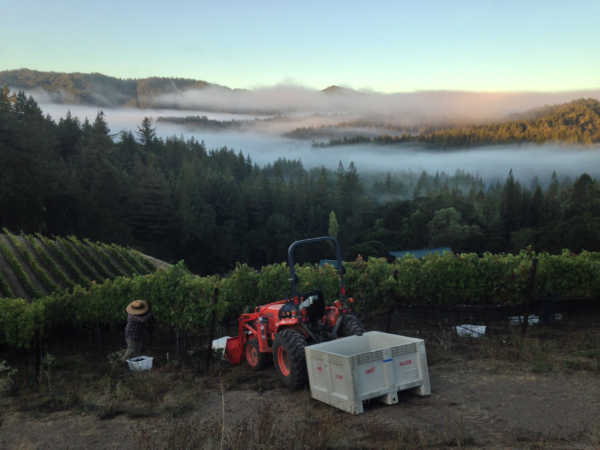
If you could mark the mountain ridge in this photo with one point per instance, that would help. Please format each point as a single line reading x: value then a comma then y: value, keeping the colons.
x: 104, y: 91
x: 98, y: 89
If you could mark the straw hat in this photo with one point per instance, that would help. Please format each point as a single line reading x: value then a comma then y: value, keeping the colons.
x: 137, y: 307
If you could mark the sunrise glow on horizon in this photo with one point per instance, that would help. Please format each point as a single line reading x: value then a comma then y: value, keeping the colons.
x: 383, y: 46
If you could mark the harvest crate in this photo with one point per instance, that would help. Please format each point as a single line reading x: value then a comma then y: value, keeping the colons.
x: 140, y: 363
x: 345, y: 372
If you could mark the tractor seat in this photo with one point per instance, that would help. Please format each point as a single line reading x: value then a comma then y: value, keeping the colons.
x: 314, y: 303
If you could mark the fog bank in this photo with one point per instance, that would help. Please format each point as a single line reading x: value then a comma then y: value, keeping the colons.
x: 408, y: 108
x: 404, y: 108
x: 490, y: 162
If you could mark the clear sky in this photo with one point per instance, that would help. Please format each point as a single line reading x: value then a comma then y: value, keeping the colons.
x: 387, y: 46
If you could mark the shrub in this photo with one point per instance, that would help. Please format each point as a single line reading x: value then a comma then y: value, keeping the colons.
x: 273, y: 283
x: 239, y: 291
x: 185, y: 302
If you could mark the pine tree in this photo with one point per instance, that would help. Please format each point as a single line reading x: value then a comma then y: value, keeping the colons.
x: 510, y: 206
x: 333, y: 225
x: 146, y: 133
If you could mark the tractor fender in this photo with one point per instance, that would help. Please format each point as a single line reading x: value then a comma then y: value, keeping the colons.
x: 291, y: 322
x: 294, y: 323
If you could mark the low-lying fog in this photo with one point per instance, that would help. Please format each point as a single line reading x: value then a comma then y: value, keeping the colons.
x: 409, y: 107
x: 120, y: 119
x: 526, y: 161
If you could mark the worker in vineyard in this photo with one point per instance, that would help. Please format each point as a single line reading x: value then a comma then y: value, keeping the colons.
x: 139, y: 322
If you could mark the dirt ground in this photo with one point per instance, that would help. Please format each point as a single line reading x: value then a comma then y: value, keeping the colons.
x: 501, y: 391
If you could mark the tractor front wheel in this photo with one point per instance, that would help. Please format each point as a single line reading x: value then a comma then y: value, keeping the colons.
x: 255, y: 359
x: 289, y: 358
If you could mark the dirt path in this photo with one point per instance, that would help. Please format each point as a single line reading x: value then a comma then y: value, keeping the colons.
x: 158, y: 263
x: 65, y: 430
x: 472, y: 404
x: 506, y: 408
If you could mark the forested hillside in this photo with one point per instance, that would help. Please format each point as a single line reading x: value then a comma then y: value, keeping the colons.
x: 576, y: 122
x: 98, y: 89
x: 175, y: 199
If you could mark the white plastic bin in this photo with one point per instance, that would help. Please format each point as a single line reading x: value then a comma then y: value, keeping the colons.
x: 532, y: 319
x: 471, y: 330
x: 140, y: 363
x: 345, y: 372
x: 218, y: 346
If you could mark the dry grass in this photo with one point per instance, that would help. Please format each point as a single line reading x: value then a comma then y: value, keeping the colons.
x: 183, y: 409
x: 269, y: 429
x: 543, y: 349
x: 593, y: 436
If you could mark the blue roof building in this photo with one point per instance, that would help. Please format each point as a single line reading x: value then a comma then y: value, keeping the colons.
x: 420, y: 253
x: 331, y: 262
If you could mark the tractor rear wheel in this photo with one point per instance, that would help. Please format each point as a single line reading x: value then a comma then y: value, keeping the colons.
x: 351, y: 326
x: 289, y: 358
x: 255, y: 359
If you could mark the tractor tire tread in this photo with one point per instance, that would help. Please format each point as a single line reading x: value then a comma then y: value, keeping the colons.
x: 351, y: 326
x: 294, y: 343
x: 263, y: 358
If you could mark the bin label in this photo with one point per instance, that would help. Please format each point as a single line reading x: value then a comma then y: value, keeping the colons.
x: 408, y: 362
x: 370, y: 370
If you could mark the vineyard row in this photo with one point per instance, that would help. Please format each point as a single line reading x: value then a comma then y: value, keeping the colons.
x: 185, y: 302
x: 36, y: 266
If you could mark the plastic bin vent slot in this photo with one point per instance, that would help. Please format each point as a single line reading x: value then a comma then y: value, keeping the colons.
x: 404, y: 349
x: 366, y: 358
x: 333, y: 359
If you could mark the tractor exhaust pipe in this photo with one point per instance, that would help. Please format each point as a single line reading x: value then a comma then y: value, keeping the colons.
x: 334, y: 332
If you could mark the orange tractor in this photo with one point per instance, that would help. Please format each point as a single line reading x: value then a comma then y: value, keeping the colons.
x: 280, y: 330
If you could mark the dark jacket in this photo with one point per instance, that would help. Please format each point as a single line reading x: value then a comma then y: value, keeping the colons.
x: 136, y: 325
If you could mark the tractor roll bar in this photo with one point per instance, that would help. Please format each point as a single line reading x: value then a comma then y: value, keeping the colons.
x: 338, y: 254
